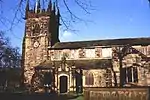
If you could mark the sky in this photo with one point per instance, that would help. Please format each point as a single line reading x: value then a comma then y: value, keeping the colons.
x: 109, y: 19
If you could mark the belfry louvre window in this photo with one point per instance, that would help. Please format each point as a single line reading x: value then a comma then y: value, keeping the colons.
x: 89, y: 79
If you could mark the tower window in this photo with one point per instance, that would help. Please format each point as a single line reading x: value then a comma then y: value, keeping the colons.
x: 35, y: 29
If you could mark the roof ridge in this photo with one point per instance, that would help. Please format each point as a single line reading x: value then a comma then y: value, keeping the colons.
x: 106, y: 42
x: 107, y: 39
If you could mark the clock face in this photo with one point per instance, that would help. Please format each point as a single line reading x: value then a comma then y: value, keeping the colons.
x: 36, y: 44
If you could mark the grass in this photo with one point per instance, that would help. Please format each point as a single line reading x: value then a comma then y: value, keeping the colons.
x: 72, y: 96
x: 38, y: 96
x: 78, y: 98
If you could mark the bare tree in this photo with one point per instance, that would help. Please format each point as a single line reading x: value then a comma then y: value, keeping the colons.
x: 68, y: 15
x: 119, y: 54
x: 9, y: 62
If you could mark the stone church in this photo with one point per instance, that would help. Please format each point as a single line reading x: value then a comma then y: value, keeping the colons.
x: 72, y: 66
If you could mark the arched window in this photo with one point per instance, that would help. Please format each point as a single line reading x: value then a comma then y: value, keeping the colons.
x: 89, y: 79
x: 132, y: 74
x: 35, y: 29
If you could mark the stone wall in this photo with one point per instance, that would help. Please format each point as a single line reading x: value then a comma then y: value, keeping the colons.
x: 35, y: 46
x: 106, y: 53
x: 76, y: 54
x: 99, y: 79
x: 141, y: 93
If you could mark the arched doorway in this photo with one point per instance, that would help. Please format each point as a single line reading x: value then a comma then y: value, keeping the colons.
x: 63, y: 84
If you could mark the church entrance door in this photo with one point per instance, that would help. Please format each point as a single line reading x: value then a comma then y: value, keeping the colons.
x: 63, y: 84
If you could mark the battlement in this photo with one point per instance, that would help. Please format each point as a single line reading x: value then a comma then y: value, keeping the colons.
x: 37, y: 11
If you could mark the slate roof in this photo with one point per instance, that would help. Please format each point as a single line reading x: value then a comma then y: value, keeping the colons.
x: 107, y: 42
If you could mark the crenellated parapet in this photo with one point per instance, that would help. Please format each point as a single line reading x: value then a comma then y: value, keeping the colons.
x: 38, y: 11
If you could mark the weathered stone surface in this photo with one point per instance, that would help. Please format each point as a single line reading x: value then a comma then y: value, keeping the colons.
x: 98, y: 57
x: 116, y: 93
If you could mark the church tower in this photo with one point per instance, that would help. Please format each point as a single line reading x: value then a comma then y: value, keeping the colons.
x: 41, y: 32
